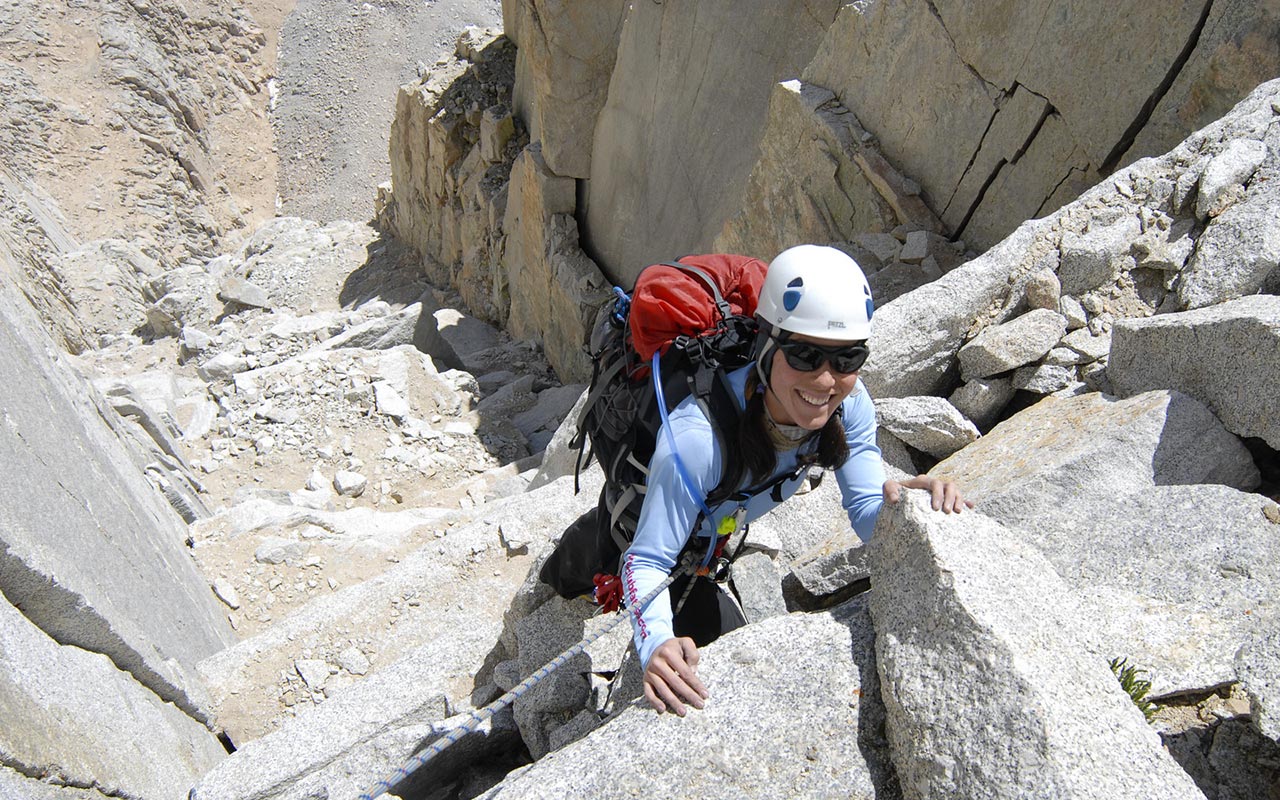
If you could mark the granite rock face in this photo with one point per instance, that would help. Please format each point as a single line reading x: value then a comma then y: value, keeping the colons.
x: 555, y: 289
x: 655, y: 190
x: 1164, y: 567
x: 450, y: 169
x: 1129, y: 249
x: 167, y: 86
x: 1017, y: 135
x: 815, y: 139
x: 1114, y: 493
x: 566, y: 54
x: 72, y: 717
x: 820, y: 177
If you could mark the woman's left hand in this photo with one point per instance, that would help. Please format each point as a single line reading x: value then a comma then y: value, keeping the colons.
x: 946, y: 494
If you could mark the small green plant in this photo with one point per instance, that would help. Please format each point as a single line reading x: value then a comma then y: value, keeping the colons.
x: 1131, y: 681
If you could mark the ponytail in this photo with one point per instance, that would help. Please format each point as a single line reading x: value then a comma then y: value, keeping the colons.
x: 833, y: 448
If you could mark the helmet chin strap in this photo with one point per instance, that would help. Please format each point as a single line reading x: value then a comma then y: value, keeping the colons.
x: 783, y: 437
x: 764, y: 357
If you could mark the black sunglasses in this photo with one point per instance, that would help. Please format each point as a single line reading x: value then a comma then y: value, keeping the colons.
x: 806, y: 357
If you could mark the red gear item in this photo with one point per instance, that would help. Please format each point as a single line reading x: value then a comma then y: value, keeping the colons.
x: 705, y: 570
x: 608, y: 592
x: 667, y: 302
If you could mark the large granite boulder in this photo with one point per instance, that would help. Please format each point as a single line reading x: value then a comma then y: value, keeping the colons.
x: 1111, y: 493
x: 991, y: 686
x: 1227, y: 356
x: 1175, y: 578
x: 1061, y: 454
x: 794, y: 712
x: 571, y: 696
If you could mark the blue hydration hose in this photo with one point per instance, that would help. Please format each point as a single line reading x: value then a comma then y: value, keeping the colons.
x: 675, y: 454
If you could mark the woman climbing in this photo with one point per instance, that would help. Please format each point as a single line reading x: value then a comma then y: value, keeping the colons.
x: 804, y: 404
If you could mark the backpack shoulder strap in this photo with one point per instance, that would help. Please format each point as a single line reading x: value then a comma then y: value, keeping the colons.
x: 721, y: 407
x: 599, y: 383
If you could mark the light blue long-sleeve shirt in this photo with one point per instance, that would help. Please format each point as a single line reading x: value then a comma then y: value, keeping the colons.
x: 670, y: 509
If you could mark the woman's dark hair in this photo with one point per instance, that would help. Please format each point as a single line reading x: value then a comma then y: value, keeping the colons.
x: 750, y: 457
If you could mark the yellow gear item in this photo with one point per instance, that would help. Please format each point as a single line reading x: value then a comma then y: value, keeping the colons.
x: 727, y: 525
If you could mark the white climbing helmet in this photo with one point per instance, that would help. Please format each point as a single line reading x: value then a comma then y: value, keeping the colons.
x: 816, y: 291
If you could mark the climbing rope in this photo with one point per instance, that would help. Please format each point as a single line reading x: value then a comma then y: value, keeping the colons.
x: 478, y: 717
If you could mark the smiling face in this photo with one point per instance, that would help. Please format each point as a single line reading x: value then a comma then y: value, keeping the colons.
x: 807, y: 399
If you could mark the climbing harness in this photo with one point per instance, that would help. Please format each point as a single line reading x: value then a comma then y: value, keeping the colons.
x: 478, y: 717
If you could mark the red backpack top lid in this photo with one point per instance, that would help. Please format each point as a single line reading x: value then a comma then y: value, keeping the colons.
x: 668, y: 302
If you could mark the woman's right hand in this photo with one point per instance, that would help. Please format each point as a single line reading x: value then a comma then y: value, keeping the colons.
x: 671, y: 679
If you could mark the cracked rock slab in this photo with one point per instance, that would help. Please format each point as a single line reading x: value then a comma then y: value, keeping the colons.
x: 90, y: 551
x: 72, y: 717
x: 16, y: 785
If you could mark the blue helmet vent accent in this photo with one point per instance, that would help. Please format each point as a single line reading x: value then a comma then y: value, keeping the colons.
x: 791, y: 297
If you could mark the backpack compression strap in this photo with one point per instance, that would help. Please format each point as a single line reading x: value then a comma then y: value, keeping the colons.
x: 722, y: 305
